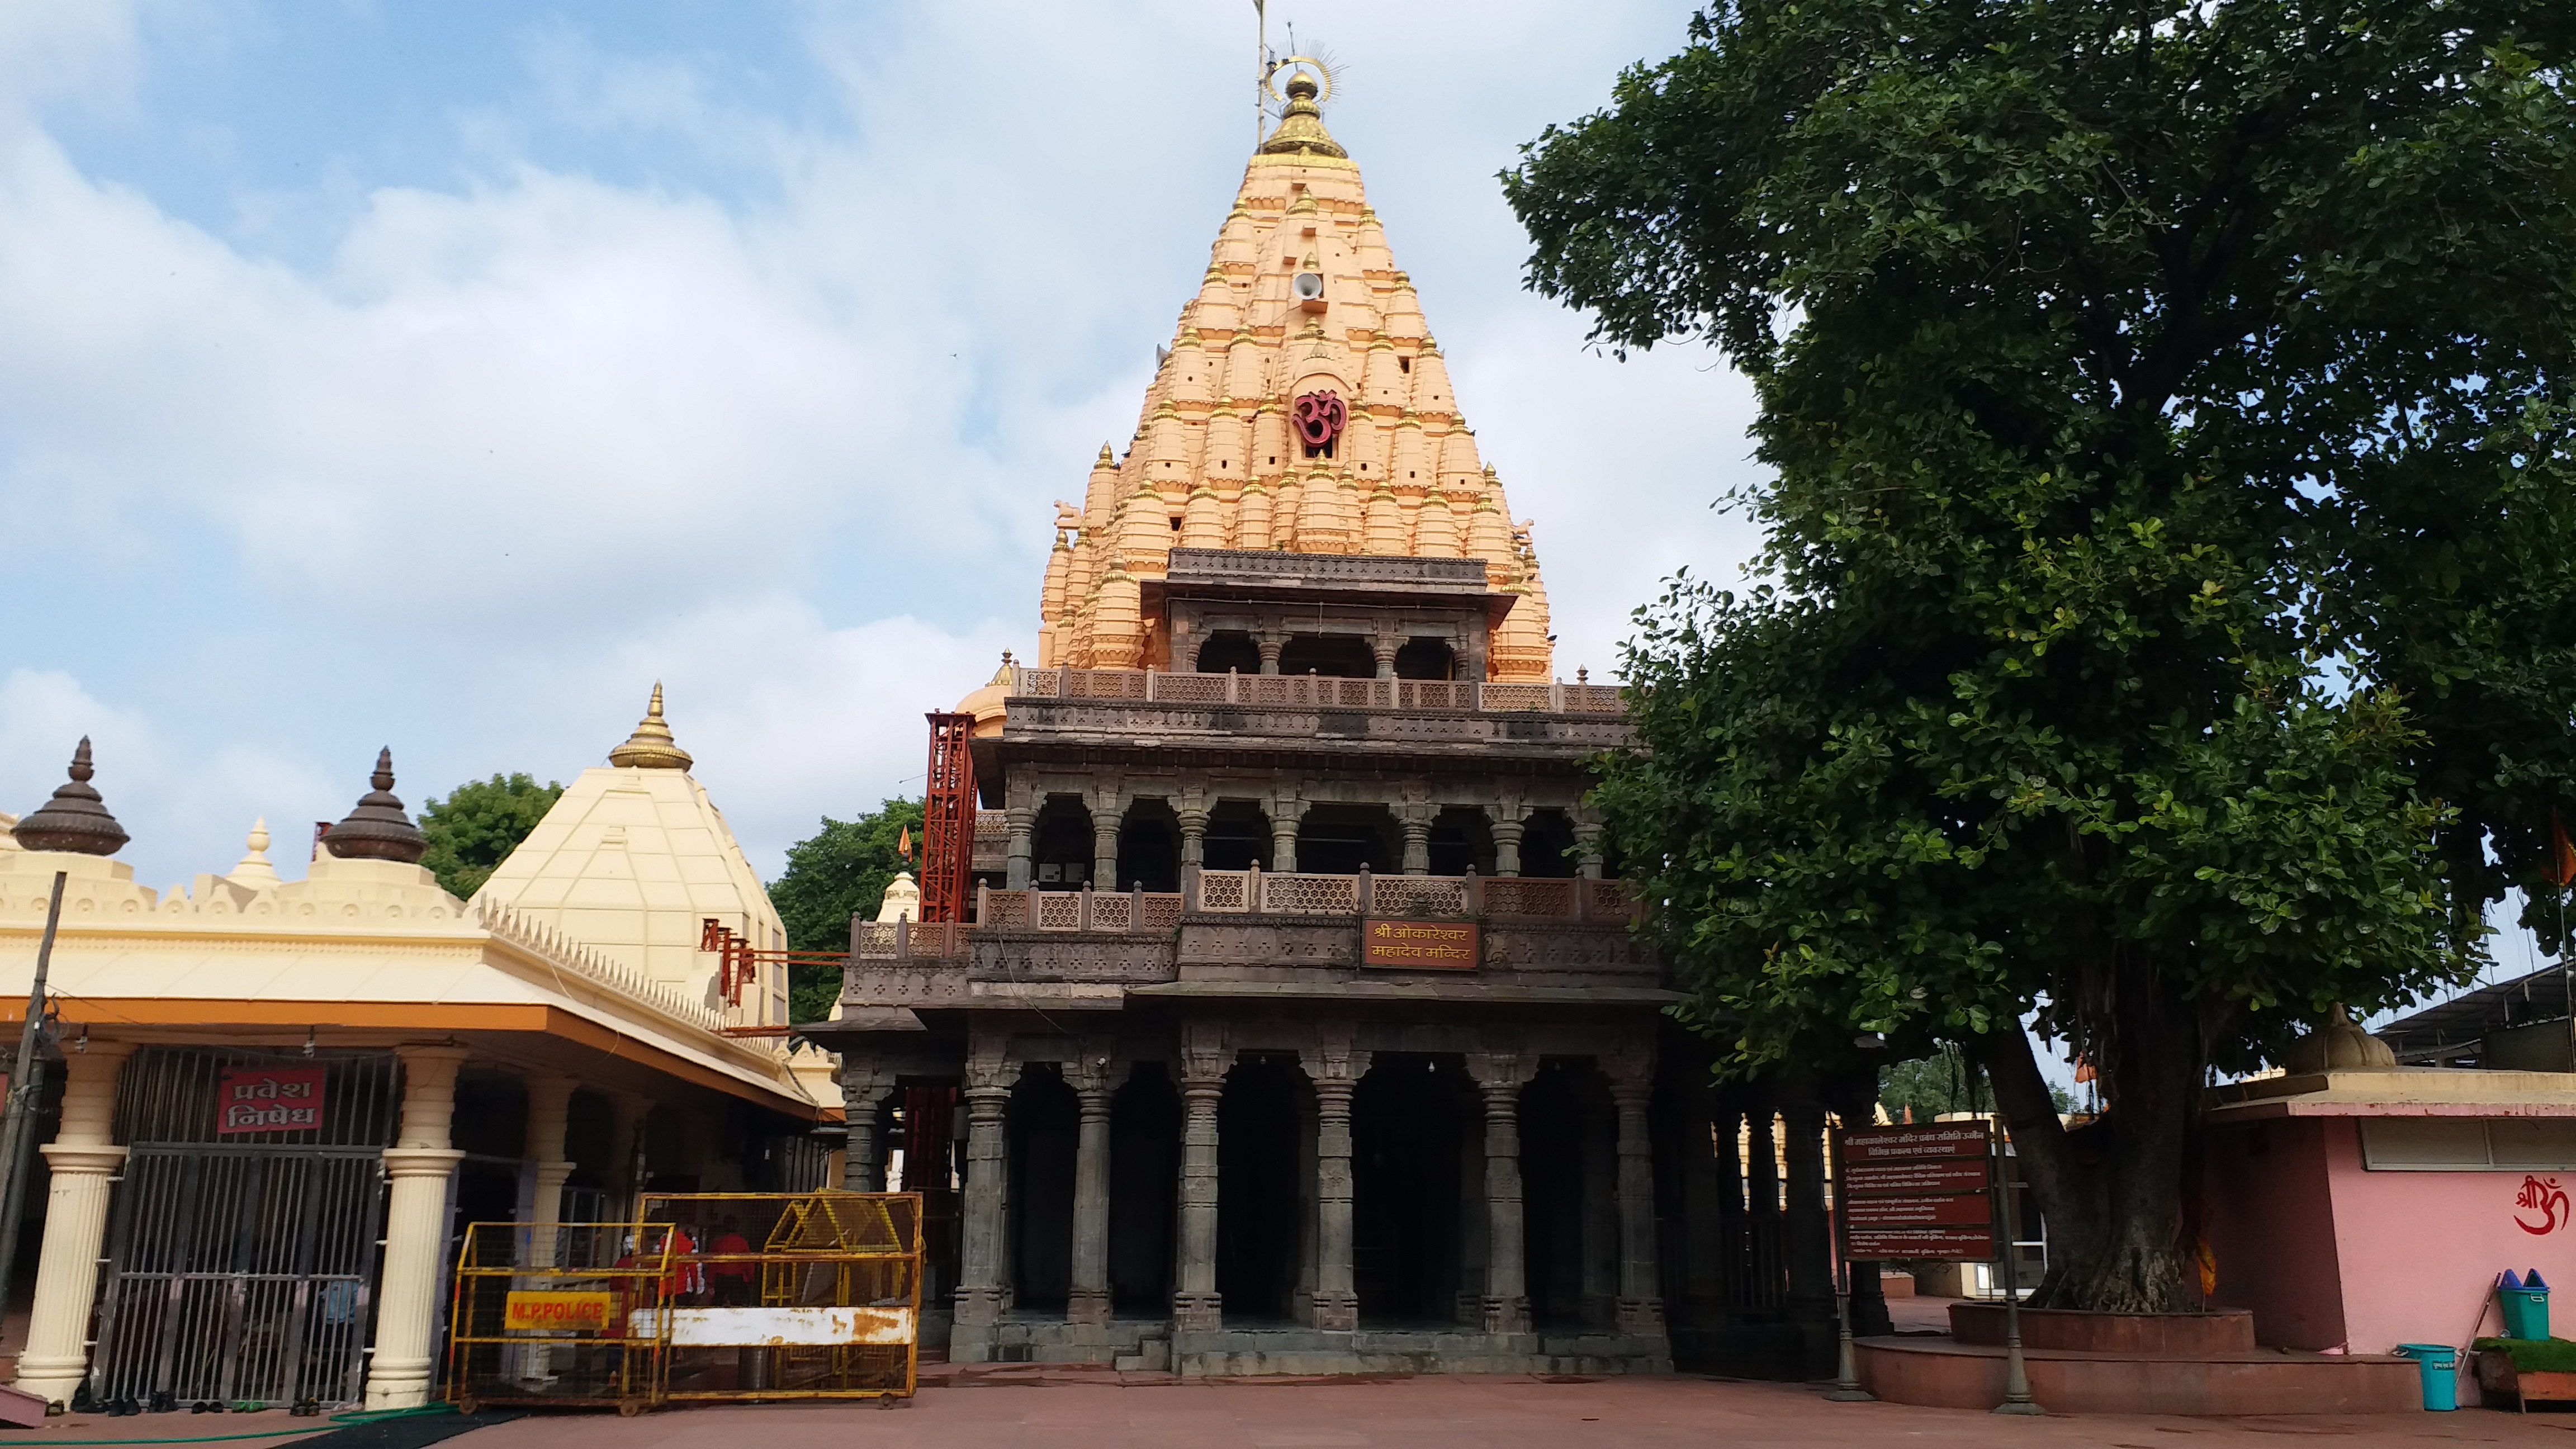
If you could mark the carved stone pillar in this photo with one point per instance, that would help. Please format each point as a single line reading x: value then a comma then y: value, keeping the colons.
x: 865, y: 1083
x: 1807, y: 1231
x: 1384, y: 647
x: 1104, y: 844
x: 1499, y: 1077
x: 1195, y: 1305
x: 1335, y: 1070
x: 1587, y: 847
x: 1269, y: 644
x: 1641, y: 1302
x: 1413, y: 817
x: 1089, y: 1300
x: 1023, y: 818
x: 1285, y: 814
x: 419, y: 1163
x: 549, y: 1110
x: 1507, y: 829
x: 981, y: 1291
x: 1194, y: 824
x: 84, y: 1160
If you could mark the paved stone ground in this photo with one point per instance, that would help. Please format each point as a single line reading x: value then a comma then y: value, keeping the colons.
x: 1460, y: 1413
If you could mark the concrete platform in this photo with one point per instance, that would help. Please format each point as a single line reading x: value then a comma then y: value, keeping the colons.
x: 1945, y: 1373
x: 1306, y: 1352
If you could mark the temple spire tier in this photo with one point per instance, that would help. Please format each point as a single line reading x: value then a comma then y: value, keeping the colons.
x: 1301, y: 407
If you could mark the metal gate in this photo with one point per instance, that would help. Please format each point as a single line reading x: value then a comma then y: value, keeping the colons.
x: 242, y: 1272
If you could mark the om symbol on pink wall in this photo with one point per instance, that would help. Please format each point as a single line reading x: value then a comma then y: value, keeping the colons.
x: 2544, y: 1196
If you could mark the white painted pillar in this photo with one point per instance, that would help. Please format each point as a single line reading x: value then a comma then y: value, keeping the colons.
x: 419, y: 1163
x: 549, y: 1113
x: 84, y: 1158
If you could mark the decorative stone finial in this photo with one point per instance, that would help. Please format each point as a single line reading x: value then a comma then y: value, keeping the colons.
x: 1003, y: 674
x: 651, y: 746
x: 1301, y: 127
x: 377, y: 829
x: 75, y: 819
x: 255, y: 870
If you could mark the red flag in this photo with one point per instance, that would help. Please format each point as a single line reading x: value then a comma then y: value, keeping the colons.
x: 2562, y: 862
x: 903, y: 843
x: 2083, y: 1071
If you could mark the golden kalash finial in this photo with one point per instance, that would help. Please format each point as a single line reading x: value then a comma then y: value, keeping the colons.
x: 1301, y: 127
x: 651, y: 746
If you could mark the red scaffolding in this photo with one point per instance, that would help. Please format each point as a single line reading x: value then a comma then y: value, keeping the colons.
x: 948, y: 827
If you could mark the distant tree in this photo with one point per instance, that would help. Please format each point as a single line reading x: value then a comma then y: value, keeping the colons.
x: 839, y: 871
x: 476, y: 827
x: 1944, y: 1082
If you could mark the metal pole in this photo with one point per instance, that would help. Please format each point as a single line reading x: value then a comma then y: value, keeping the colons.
x: 17, y: 1132
x: 1260, y: 69
x: 2017, y: 1399
x: 1846, y: 1389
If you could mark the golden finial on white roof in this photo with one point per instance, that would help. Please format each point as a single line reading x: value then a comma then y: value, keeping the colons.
x: 651, y: 747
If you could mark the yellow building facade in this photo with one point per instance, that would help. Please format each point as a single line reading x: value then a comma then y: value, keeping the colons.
x: 255, y: 1080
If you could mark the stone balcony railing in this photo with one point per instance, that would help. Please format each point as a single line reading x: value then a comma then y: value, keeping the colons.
x: 1524, y: 900
x: 1314, y: 691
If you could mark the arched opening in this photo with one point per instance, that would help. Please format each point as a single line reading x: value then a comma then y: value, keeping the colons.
x: 1144, y: 1186
x: 1426, y: 659
x: 1547, y: 845
x: 1229, y: 649
x: 1461, y: 840
x: 1335, y: 656
x: 1238, y: 836
x: 1040, y: 1128
x: 1414, y: 1119
x: 1335, y: 839
x: 1264, y: 1145
x: 1569, y: 1182
x: 1149, y: 847
x: 1060, y: 844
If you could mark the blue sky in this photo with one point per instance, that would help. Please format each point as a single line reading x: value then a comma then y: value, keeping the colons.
x: 441, y: 376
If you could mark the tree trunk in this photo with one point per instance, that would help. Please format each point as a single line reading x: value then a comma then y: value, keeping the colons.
x: 2113, y: 1189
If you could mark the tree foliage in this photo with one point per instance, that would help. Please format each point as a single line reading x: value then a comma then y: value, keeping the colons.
x: 2166, y: 602
x: 841, y: 870
x: 478, y: 824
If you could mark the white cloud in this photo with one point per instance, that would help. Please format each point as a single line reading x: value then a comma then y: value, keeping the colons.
x: 512, y: 446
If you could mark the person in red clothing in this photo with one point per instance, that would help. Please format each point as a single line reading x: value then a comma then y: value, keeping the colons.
x: 732, y: 1281
x: 686, y: 1282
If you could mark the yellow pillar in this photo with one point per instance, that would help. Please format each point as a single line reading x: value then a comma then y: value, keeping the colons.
x: 84, y: 1157
x: 419, y: 1163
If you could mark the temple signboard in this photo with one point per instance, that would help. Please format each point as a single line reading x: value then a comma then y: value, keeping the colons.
x: 269, y: 1099
x: 1915, y: 1192
x: 1420, y: 945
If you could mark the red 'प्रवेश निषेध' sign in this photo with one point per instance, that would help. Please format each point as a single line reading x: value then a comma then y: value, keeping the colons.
x: 1915, y: 1192
x: 269, y: 1099
x: 1420, y: 945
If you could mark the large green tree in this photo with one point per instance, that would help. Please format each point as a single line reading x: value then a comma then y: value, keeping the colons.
x: 2165, y: 626
x: 839, y: 871
x: 476, y: 826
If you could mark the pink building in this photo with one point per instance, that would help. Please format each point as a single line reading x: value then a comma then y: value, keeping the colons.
x: 2354, y: 1210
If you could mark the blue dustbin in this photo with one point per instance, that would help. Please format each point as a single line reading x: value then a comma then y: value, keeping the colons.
x: 2525, y: 1303
x: 2440, y: 1365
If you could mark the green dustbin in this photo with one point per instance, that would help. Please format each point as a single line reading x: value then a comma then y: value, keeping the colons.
x: 2440, y: 1365
x: 2525, y: 1303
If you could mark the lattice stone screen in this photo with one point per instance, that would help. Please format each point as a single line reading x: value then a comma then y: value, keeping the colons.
x: 1418, y: 895
x: 1225, y: 891
x: 1523, y: 896
x: 1289, y: 894
x: 1111, y: 912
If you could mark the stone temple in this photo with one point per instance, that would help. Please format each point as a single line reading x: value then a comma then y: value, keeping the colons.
x: 1292, y: 1022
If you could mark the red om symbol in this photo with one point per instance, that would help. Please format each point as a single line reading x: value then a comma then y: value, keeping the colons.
x: 2546, y: 1197
x: 1319, y: 417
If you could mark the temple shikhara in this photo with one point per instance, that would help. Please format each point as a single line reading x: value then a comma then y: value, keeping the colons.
x: 1273, y: 1006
